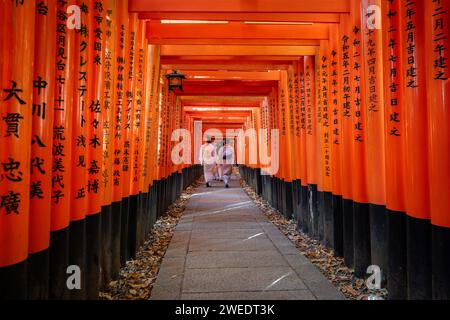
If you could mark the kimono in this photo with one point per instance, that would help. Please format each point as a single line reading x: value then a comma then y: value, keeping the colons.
x: 226, y: 160
x: 208, y: 160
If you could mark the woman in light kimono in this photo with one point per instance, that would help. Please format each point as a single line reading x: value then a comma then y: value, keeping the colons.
x: 218, y: 171
x: 226, y: 160
x: 207, y: 158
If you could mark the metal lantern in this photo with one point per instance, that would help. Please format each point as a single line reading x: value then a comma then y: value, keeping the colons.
x: 175, y: 80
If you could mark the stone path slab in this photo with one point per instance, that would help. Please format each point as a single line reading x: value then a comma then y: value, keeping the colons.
x: 225, y: 248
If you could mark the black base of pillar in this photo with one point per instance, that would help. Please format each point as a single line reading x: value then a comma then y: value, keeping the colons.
x: 272, y: 191
x: 347, y: 209
x: 361, y: 238
x: 106, y: 252
x: 268, y: 188
x: 275, y: 193
x: 288, y: 203
x: 172, y: 189
x: 396, y: 255
x: 258, y: 182
x: 93, y: 246
x: 59, y: 261
x: 153, y: 205
x: 116, y: 230
x: 304, y: 209
x: 378, y: 238
x: 328, y: 220
x: 164, y: 195
x: 283, y: 199
x: 132, y: 226
x: 145, y: 219
x: 338, y: 226
x: 77, y: 257
x: 274, y: 196
x: 418, y: 247
x: 38, y: 275
x: 124, y: 210
x: 158, y: 198
x: 320, y: 216
x: 441, y: 262
x: 281, y: 196
x: 312, y: 217
x: 13, y: 282
x: 296, y: 200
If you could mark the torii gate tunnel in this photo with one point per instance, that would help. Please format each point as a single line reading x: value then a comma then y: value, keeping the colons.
x: 357, y: 93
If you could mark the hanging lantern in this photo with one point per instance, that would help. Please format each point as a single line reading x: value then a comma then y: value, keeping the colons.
x: 175, y: 80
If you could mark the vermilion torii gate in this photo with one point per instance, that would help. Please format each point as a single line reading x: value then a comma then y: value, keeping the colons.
x: 357, y: 89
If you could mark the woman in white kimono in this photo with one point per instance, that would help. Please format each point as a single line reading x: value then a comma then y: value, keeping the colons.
x: 219, y: 175
x: 207, y: 158
x: 226, y: 160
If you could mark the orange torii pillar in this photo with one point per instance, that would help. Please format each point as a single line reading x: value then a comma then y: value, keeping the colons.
x: 319, y: 216
x: 131, y: 200
x: 139, y: 127
x: 159, y: 136
x: 286, y: 105
x: 129, y: 203
x: 416, y: 151
x: 162, y: 132
x: 296, y: 142
x: 62, y: 152
x: 169, y: 185
x: 80, y: 141
x: 156, y: 139
x: 361, y: 217
x: 179, y: 168
x: 152, y: 118
x: 144, y: 185
x: 121, y: 114
x: 273, y: 125
x: 258, y: 126
x: 303, y: 196
x: 166, y: 163
x: 16, y: 93
x: 110, y: 257
x: 94, y: 141
x: 347, y: 136
x: 335, y: 137
x: 278, y: 124
x: 375, y: 145
x: 394, y: 118
x: 265, y: 148
x: 437, y: 31
x: 173, y: 183
x: 326, y: 196
x: 120, y: 219
x: 293, y: 144
x: 262, y: 146
x: 41, y: 157
x: 311, y: 143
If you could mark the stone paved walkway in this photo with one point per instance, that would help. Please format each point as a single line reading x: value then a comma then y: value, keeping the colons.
x: 225, y: 248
